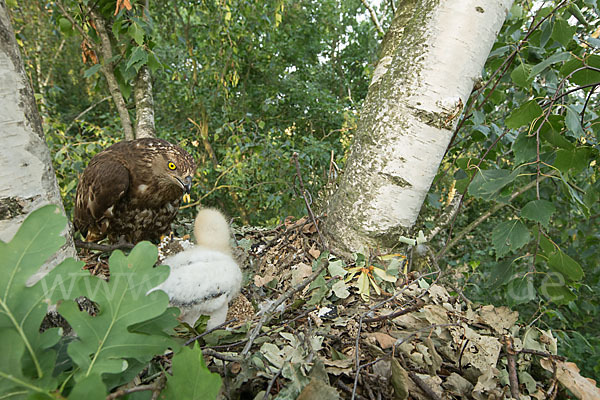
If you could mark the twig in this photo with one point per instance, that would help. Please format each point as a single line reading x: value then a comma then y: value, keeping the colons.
x: 360, y: 323
x: 105, y: 248
x: 587, y: 99
x: 272, y: 382
x: 347, y: 389
x: 542, y: 354
x: 310, y: 213
x: 512, y: 366
x: 373, y: 17
x: 156, y: 386
x: 398, y: 313
x: 220, y: 356
x: 423, y: 386
x: 206, y: 332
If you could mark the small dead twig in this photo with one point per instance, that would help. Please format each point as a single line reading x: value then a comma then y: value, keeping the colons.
x: 155, y: 387
x: 420, y: 303
x: 105, y: 248
x: 306, y: 202
x: 542, y: 354
x: 422, y: 385
x: 219, y: 356
x: 348, y: 389
x: 209, y: 331
x: 512, y: 366
x: 272, y: 382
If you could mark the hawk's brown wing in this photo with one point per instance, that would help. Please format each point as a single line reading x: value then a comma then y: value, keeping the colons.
x: 104, y: 182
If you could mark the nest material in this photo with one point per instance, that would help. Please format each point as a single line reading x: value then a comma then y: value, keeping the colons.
x: 416, y: 342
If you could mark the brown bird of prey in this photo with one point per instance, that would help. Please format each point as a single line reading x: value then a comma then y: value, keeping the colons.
x: 131, y: 190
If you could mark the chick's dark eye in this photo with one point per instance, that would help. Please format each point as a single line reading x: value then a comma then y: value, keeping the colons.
x: 172, y: 166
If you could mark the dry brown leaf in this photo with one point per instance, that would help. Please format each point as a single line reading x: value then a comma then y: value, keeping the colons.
x: 385, y: 341
x: 288, y: 222
x: 260, y: 281
x: 568, y: 375
x: 300, y: 272
x: 309, y: 228
x: 314, y: 251
x: 122, y: 4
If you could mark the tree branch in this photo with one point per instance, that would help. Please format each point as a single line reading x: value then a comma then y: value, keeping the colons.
x: 373, y: 17
x: 109, y: 74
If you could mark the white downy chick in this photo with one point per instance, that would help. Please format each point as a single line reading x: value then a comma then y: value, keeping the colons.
x: 204, y: 278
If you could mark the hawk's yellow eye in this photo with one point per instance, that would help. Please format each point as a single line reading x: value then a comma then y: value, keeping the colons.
x: 172, y: 166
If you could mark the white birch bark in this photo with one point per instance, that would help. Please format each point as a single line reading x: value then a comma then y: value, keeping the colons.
x: 27, y: 179
x: 431, y: 57
x: 144, y: 104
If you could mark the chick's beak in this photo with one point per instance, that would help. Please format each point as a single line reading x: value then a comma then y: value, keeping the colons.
x: 188, y: 184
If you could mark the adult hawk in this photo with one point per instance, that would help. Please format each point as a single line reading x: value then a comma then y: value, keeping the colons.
x: 132, y: 190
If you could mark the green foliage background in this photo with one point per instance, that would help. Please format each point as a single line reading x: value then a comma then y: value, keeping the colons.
x: 242, y: 84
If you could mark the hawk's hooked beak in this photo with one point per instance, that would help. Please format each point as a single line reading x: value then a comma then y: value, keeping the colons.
x: 187, y: 186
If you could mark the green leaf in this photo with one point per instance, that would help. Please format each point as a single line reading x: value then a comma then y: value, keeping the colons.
x: 136, y: 33
x: 576, y: 159
x: 563, y: 32
x: 524, y: 115
x: 138, y: 58
x: 553, y: 59
x: 105, y: 341
x: 551, y: 132
x: 23, y: 308
x: 520, y: 76
x: 524, y: 148
x: 520, y: 290
x: 565, y: 265
x: 538, y: 211
x: 488, y: 183
x: 92, y: 70
x: 556, y: 290
x: 12, y: 380
x: 65, y: 26
x: 191, y: 378
x: 89, y: 388
x: 585, y: 76
x: 500, y: 274
x: 153, y: 62
x: 509, y: 236
x: 576, y: 12
x: 573, y: 123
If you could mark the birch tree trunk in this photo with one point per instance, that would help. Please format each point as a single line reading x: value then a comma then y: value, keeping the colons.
x: 144, y: 104
x: 430, y: 59
x: 27, y: 179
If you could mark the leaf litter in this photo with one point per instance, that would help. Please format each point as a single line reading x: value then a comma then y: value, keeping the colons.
x: 410, y: 339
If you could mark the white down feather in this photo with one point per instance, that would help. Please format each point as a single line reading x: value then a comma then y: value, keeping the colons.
x: 204, y: 278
